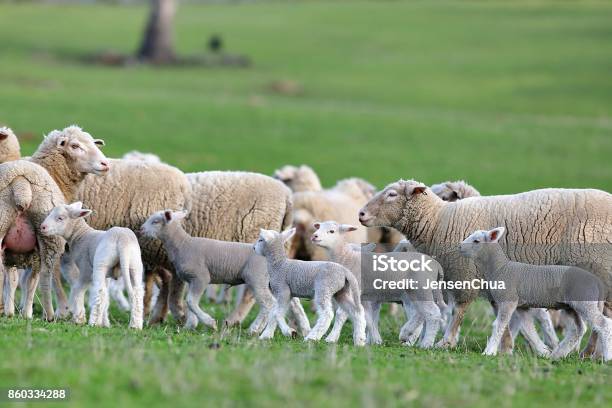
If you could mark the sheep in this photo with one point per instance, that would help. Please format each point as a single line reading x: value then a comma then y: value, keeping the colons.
x: 520, y: 285
x: 318, y: 280
x: 9, y: 145
x: 140, y: 156
x: 458, y: 190
x: 201, y: 261
x: 29, y: 189
x: 331, y: 236
x: 229, y: 206
x: 299, y: 179
x: 98, y: 254
x: 454, y: 190
x: 541, y: 221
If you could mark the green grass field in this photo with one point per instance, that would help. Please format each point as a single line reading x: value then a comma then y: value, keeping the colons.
x: 510, y: 97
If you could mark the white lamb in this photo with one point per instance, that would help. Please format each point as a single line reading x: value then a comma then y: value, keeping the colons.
x: 98, y: 254
x: 318, y: 280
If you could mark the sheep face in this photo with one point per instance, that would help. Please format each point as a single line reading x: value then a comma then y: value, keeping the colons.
x: 445, y: 192
x: 472, y: 246
x: 156, y: 223
x: 59, y: 221
x: 387, y: 208
x: 268, y: 240
x: 329, y: 234
x: 81, y: 150
x: 9, y: 145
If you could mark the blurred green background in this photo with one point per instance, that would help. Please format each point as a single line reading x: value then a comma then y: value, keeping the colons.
x: 509, y: 96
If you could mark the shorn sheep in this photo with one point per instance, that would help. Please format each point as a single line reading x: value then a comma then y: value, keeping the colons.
x: 29, y: 189
x: 581, y: 293
x: 318, y: 280
x: 538, y: 222
x: 98, y: 254
x: 201, y: 261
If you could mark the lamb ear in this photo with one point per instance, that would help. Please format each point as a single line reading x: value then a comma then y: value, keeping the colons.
x: 3, y: 135
x: 84, y: 213
x: 99, y: 142
x: 347, y: 228
x: 168, y: 215
x: 495, y: 234
x: 61, y: 141
x: 77, y: 205
x: 179, y: 215
x: 419, y: 190
x: 287, y: 234
x: 316, y: 225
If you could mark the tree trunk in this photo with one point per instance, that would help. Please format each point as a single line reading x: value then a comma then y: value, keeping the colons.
x: 157, y: 43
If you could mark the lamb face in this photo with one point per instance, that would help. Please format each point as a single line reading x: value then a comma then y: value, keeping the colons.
x: 472, y: 246
x: 82, y: 149
x: 155, y: 224
x: 60, y: 219
x: 329, y: 234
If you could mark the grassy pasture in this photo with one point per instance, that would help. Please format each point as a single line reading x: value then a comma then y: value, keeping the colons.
x: 509, y: 96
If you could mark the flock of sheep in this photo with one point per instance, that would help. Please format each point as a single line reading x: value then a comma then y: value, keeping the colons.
x: 141, y: 226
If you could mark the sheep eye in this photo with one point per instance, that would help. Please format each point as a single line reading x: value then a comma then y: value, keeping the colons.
x: 476, y: 241
x: 331, y: 232
x: 75, y: 146
x: 392, y: 193
x: 60, y: 218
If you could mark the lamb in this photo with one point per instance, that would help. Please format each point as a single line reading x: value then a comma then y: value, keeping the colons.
x: 332, y: 236
x: 29, y: 189
x: 201, y: 261
x: 98, y: 254
x: 299, y: 179
x: 581, y: 293
x: 9, y: 145
x: 540, y: 222
x: 454, y: 190
x: 318, y: 280
x: 458, y: 190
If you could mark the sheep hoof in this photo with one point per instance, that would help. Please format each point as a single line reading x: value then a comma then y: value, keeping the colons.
x: 331, y: 339
x: 293, y: 334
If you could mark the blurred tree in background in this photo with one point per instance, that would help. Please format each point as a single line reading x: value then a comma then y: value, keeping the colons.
x: 157, y: 44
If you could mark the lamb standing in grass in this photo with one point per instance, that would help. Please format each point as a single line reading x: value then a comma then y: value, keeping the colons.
x: 201, y: 261
x: 550, y: 286
x: 316, y: 280
x: 98, y: 254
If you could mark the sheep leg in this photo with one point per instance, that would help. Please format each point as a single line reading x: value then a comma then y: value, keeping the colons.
x: 160, y: 310
x: 575, y: 329
x: 77, y: 301
x: 283, y: 298
x: 451, y: 336
x: 325, y: 314
x: 528, y: 329
x: 431, y: 313
x: 99, y: 292
x: 63, y: 310
x: 548, y: 329
x: 339, y: 320
x: 175, y: 298
x: 500, y: 325
x: 242, y: 310
x: 372, y: 333
x: 10, y: 286
x: 136, y: 296
x: 266, y: 302
x: 211, y: 293
x: 50, y: 250
x: 411, y: 330
x: 194, y: 294
x: 31, y: 283
x: 356, y: 314
x: 299, y: 315
x: 602, y: 328
x: 148, y: 292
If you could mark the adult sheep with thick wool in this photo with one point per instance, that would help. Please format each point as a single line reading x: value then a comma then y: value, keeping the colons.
x: 29, y: 189
x: 9, y: 145
x: 543, y: 224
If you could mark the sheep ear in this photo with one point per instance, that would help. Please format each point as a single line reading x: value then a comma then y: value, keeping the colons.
x: 316, y: 225
x: 347, y: 228
x: 287, y: 234
x: 495, y: 234
x: 99, y: 142
x: 419, y: 190
x: 83, y: 213
x: 454, y: 196
x: 179, y: 215
x: 3, y: 135
x: 168, y: 215
x: 77, y: 205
